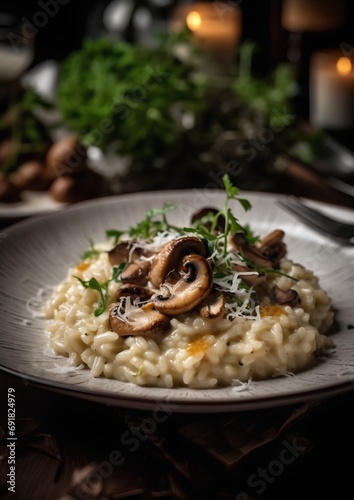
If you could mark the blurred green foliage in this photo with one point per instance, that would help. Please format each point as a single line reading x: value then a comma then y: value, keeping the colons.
x: 169, y: 110
x: 115, y: 92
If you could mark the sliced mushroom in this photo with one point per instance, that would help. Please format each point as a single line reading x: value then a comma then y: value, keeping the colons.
x: 270, y: 239
x: 237, y: 240
x: 251, y: 252
x: 136, y: 272
x: 193, y: 286
x: 140, y: 322
x: 136, y: 293
x: 125, y: 252
x: 273, y: 247
x: 220, y: 227
x: 171, y: 255
x: 289, y: 297
x: 213, y: 307
x: 255, y: 256
x: 249, y: 275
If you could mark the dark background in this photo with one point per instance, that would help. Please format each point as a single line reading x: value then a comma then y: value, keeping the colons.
x: 261, y: 22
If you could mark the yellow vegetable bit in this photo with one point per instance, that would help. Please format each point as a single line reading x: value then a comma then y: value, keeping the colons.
x: 273, y: 310
x: 198, y: 346
x: 83, y: 266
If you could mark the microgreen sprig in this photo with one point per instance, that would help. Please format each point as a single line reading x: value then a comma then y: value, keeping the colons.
x: 115, y: 234
x: 102, y: 288
x: 264, y: 270
x: 149, y: 227
x: 232, y: 224
x: 91, y: 253
x: 155, y: 222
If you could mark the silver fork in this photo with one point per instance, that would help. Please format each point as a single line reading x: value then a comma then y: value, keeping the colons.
x: 336, y: 229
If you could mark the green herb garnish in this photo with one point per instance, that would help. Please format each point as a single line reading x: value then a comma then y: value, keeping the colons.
x: 232, y: 224
x: 155, y: 222
x: 214, y: 228
x: 91, y: 253
x: 102, y: 288
x: 116, y: 235
x: 150, y: 227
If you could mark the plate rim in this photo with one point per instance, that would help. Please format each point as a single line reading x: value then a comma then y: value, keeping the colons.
x: 187, y: 406
x: 64, y: 208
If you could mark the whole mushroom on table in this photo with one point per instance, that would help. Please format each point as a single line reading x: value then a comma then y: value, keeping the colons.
x: 61, y: 170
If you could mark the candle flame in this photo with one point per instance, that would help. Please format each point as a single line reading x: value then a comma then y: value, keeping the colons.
x: 194, y: 20
x: 344, y: 66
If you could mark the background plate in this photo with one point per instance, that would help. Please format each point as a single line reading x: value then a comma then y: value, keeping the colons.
x: 36, y: 254
x: 33, y: 203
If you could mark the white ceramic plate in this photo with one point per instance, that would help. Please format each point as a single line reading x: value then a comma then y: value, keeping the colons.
x: 35, y: 255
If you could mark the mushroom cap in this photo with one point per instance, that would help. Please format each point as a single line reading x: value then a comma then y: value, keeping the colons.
x: 171, y: 255
x: 220, y: 227
x: 263, y: 254
x: 272, y: 246
x: 249, y: 275
x: 289, y: 297
x: 135, y: 292
x: 213, y: 307
x: 125, y: 252
x: 273, y: 237
x: 136, y: 272
x: 184, y: 294
x: 140, y: 322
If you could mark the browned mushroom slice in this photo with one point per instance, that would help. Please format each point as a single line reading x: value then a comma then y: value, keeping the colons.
x: 193, y: 286
x: 249, y: 275
x: 255, y: 256
x: 270, y: 239
x: 136, y: 293
x: 136, y: 272
x: 125, y: 252
x: 251, y: 252
x: 289, y: 297
x: 220, y: 227
x: 171, y: 255
x: 140, y: 322
x: 237, y: 240
x: 213, y: 307
x: 272, y: 246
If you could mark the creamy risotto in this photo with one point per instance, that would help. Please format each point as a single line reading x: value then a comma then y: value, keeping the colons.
x: 190, y: 309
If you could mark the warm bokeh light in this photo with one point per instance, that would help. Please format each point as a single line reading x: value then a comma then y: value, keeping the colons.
x: 344, y: 66
x: 193, y: 20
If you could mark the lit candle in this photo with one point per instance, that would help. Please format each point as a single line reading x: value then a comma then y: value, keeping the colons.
x: 312, y: 15
x: 217, y: 29
x: 331, y: 91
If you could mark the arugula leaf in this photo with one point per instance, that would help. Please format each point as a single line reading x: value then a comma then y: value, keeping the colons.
x: 102, y: 288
